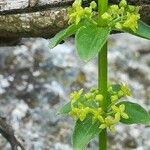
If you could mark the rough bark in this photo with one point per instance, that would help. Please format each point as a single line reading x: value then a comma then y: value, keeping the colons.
x: 43, y: 18
x: 8, y: 133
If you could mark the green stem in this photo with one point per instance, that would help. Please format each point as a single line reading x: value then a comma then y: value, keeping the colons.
x: 102, y: 71
x: 102, y: 74
x: 102, y: 85
x: 102, y: 8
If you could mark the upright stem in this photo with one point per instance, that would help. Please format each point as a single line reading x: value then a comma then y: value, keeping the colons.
x: 102, y: 8
x: 102, y: 71
x: 102, y: 85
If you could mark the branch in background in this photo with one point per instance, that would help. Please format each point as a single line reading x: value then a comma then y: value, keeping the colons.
x: 22, y: 6
x: 8, y: 133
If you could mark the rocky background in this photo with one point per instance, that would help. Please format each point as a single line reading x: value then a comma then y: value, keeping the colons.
x: 35, y: 81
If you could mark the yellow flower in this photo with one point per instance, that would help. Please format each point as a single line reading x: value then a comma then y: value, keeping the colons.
x: 80, y: 113
x: 119, y: 112
x: 114, y: 98
x: 120, y: 94
x: 97, y: 115
x: 77, y: 3
x: 123, y: 3
x: 93, y: 5
x: 77, y: 12
x: 83, y: 113
x: 76, y: 95
x: 118, y: 26
x: 89, y: 96
x: 131, y: 21
x: 107, y: 16
x: 74, y: 113
x: 114, y: 9
x: 126, y: 91
x: 108, y: 123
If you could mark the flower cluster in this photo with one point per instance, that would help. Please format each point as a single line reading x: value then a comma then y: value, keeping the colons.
x: 91, y: 103
x: 122, y: 16
x: 77, y: 12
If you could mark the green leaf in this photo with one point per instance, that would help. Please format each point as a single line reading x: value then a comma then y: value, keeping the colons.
x: 136, y: 113
x: 90, y: 40
x: 65, y: 109
x: 84, y: 131
x: 62, y: 35
x: 142, y: 31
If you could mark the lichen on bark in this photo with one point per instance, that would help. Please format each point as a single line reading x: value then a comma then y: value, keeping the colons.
x: 41, y: 23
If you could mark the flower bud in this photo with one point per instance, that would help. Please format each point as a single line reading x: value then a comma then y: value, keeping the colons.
x: 87, y: 10
x: 123, y: 3
x: 114, y: 98
x: 99, y: 98
x: 114, y: 8
x: 106, y: 16
x: 120, y: 93
x: 131, y: 8
x: 88, y: 96
x: 118, y: 26
x: 93, y: 5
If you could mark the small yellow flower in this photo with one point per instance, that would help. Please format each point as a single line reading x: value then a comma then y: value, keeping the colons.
x: 114, y: 98
x: 123, y: 3
x: 126, y: 91
x: 118, y: 26
x: 77, y: 3
x: 107, y: 16
x: 97, y: 115
x: 114, y: 8
x: 131, y: 21
x: 120, y: 94
x: 120, y: 111
x: 80, y: 113
x: 108, y: 123
x: 93, y: 5
x: 76, y: 95
x: 83, y: 113
x: 77, y: 12
x: 74, y: 113
x: 117, y: 117
x: 112, y: 128
x: 89, y: 96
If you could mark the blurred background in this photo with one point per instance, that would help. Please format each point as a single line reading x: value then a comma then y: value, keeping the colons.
x: 35, y: 82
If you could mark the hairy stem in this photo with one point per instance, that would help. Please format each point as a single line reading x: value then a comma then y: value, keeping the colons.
x: 102, y: 71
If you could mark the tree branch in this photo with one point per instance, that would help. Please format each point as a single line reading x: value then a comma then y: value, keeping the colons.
x: 8, y: 133
x: 43, y: 18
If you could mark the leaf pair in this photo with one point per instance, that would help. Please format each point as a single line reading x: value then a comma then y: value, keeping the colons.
x: 89, y: 39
